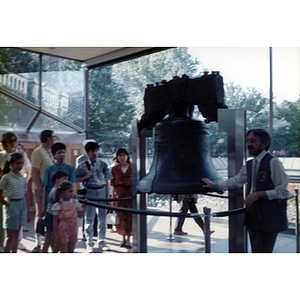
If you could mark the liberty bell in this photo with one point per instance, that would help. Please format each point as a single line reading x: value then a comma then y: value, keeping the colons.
x: 181, y: 151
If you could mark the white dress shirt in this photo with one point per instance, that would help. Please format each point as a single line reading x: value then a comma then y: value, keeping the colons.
x: 279, y: 177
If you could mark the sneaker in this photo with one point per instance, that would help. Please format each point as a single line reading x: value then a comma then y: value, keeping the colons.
x: 103, y: 247
x: 37, y: 249
x: 21, y: 247
x: 25, y: 229
x: 89, y: 249
x: 180, y: 233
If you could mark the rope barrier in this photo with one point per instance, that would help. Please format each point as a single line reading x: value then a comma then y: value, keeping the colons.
x: 229, y: 212
x: 135, y: 211
x: 108, y: 199
x: 217, y: 196
x: 161, y: 213
x: 155, y: 213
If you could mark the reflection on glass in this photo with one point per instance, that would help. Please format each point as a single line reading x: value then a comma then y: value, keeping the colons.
x: 14, y: 114
x: 45, y: 122
x: 16, y: 73
x: 63, y: 89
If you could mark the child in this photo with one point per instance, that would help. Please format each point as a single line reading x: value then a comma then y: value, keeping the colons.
x: 66, y: 210
x: 13, y: 186
x: 58, y: 151
x: 57, y: 177
x: 95, y: 175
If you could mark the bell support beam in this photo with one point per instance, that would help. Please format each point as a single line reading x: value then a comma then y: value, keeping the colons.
x: 233, y: 122
x: 139, y: 201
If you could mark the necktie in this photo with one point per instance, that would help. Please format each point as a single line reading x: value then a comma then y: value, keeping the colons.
x: 254, y: 170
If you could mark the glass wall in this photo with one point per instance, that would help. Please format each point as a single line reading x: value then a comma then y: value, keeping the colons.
x: 63, y: 89
x: 14, y: 115
x: 116, y: 97
x: 62, y: 92
x: 15, y: 69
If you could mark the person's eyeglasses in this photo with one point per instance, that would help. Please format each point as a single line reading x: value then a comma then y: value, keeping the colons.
x: 12, y: 141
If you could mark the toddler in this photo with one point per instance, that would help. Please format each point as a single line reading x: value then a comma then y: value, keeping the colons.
x: 57, y: 177
x: 66, y: 210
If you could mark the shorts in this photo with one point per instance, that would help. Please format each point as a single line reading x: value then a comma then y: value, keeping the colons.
x: 48, y: 222
x: 16, y: 214
x: 38, y: 196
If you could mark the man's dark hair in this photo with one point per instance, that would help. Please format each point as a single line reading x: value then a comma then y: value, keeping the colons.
x: 57, y: 146
x: 45, y: 134
x: 58, y: 174
x: 91, y: 146
x: 263, y: 135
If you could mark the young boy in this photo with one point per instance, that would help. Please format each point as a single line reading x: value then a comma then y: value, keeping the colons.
x: 57, y: 177
x: 95, y: 176
x: 58, y: 151
x: 13, y: 186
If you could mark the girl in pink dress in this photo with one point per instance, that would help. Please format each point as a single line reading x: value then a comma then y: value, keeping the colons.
x: 66, y: 211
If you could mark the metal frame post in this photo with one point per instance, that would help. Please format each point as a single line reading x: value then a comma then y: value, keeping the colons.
x: 271, y: 97
x: 139, y: 201
x: 135, y: 179
x: 297, y: 219
x: 233, y: 122
x: 86, y: 101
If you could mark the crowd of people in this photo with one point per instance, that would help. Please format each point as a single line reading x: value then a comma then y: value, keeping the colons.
x: 58, y: 209
x: 53, y: 183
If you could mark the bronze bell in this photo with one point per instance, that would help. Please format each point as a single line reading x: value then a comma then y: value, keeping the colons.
x: 181, y: 154
x: 181, y: 159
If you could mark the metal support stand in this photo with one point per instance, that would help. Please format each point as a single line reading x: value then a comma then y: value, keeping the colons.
x: 206, y: 211
x: 170, y: 237
x: 233, y: 122
x: 139, y: 201
x: 297, y: 218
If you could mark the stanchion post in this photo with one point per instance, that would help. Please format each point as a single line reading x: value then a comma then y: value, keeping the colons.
x: 297, y: 219
x: 170, y: 237
x: 206, y: 211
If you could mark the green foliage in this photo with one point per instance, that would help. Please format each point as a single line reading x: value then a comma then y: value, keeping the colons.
x: 116, y: 93
x: 257, y: 106
x: 217, y: 140
x: 287, y: 134
x: 134, y: 75
x: 4, y: 61
x: 110, y: 114
x: 71, y: 65
x: 16, y: 61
